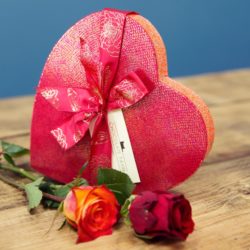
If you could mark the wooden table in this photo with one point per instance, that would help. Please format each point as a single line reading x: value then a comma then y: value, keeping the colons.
x: 219, y: 191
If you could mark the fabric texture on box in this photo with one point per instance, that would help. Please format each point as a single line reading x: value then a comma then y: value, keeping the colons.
x: 170, y: 129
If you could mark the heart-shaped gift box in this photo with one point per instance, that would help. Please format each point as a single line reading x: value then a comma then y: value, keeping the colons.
x: 169, y: 126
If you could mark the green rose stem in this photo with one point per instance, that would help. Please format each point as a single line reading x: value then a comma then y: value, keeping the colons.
x: 21, y: 187
x: 24, y: 173
x: 19, y: 171
x: 30, y: 176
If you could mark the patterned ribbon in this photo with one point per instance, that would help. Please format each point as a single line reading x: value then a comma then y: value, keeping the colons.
x: 102, y: 94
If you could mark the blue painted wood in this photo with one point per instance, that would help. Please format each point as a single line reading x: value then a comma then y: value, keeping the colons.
x: 201, y: 36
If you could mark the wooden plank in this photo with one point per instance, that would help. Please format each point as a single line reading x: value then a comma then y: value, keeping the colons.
x: 219, y: 194
x: 220, y: 88
x: 232, y: 130
x: 22, y: 140
x: 15, y: 116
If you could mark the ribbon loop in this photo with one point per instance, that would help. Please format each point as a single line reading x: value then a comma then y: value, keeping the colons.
x: 130, y: 90
x: 90, y: 105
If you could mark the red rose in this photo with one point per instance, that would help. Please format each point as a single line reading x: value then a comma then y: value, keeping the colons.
x: 161, y: 214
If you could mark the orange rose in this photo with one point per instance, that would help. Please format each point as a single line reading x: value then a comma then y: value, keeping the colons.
x: 91, y: 210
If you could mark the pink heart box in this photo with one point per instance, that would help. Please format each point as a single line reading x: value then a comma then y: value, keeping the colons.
x: 171, y: 129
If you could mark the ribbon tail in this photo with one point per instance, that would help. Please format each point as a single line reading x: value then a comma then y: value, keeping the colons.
x: 101, y: 148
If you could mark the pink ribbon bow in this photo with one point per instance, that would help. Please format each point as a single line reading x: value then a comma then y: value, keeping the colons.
x: 90, y: 104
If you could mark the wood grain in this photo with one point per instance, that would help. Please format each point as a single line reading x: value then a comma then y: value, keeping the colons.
x: 220, y: 197
x: 15, y: 116
x: 219, y: 191
x: 220, y: 88
x: 232, y: 131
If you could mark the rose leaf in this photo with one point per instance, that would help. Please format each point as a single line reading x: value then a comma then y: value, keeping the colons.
x: 13, y: 150
x: 125, y: 209
x: 62, y: 226
x: 63, y: 191
x: 34, y: 194
x: 9, y: 159
x: 60, y: 191
x: 112, y: 176
x: 118, y: 182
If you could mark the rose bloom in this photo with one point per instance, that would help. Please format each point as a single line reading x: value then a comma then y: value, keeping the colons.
x: 161, y: 214
x: 91, y: 210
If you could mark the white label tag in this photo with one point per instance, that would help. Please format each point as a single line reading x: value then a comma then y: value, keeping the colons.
x: 122, y: 153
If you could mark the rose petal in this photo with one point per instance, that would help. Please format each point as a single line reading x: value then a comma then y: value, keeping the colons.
x: 176, y: 217
x: 139, y: 212
x: 69, y: 207
x: 182, y: 223
x: 161, y: 212
x: 99, y: 213
x: 105, y: 193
